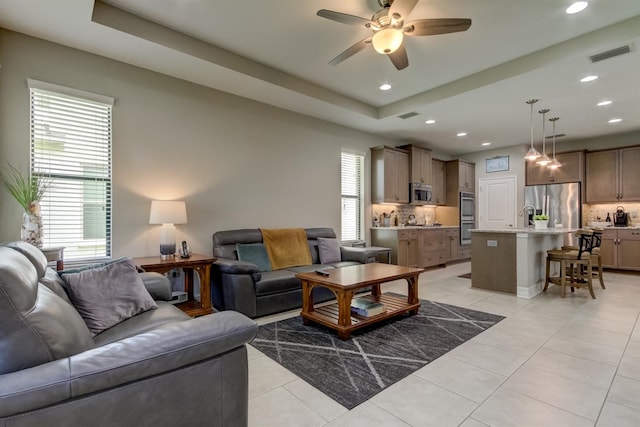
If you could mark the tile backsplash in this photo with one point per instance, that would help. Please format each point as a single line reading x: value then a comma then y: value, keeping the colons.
x: 424, y: 214
x: 592, y: 212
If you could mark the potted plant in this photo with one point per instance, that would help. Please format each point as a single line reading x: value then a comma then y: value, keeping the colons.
x: 540, y: 221
x: 28, y: 192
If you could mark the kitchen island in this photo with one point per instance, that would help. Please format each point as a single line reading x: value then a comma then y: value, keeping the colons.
x: 513, y: 260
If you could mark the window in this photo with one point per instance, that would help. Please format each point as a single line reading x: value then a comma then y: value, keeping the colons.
x: 71, y: 147
x: 352, y: 200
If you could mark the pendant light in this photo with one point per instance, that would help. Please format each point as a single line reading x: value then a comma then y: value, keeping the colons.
x: 544, y: 160
x: 532, y: 154
x: 555, y: 164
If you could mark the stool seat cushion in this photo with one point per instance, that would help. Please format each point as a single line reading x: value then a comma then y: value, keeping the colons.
x: 568, y: 255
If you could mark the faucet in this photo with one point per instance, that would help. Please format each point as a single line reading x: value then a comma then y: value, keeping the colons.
x: 526, y: 207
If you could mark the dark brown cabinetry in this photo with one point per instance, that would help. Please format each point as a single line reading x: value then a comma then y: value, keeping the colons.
x: 613, y: 175
x: 572, y: 170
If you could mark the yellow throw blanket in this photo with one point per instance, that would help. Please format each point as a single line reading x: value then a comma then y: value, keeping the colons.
x: 286, y: 247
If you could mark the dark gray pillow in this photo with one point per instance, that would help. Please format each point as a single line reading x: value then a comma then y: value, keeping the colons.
x: 329, y: 250
x: 107, y: 295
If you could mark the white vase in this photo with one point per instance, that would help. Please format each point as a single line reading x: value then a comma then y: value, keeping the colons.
x: 540, y: 224
x: 32, y: 230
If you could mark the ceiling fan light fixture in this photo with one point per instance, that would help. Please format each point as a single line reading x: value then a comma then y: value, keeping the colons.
x: 387, y: 40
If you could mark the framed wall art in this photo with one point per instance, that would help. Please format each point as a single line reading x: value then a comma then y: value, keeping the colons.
x: 497, y: 164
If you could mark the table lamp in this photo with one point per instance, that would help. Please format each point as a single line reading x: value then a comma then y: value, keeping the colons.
x: 167, y: 213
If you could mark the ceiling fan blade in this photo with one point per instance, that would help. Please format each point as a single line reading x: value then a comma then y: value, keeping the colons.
x: 431, y: 27
x: 351, y: 51
x: 343, y: 18
x: 402, y: 8
x: 399, y: 58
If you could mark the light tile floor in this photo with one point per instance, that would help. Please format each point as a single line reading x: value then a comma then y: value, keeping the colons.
x: 551, y: 362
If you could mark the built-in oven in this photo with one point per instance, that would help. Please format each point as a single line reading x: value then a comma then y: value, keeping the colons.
x: 467, y: 206
x: 421, y: 194
x: 465, y: 231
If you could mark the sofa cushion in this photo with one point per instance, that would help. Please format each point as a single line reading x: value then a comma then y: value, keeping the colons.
x: 33, y: 254
x: 254, y: 253
x: 308, y: 268
x: 107, y: 295
x: 329, y: 250
x: 277, y: 281
x: 36, y: 326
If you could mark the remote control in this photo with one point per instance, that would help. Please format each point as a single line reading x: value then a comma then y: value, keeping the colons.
x: 324, y: 273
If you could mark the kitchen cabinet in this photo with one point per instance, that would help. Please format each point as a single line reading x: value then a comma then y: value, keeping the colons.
x: 620, y: 248
x: 613, y: 175
x: 572, y: 170
x: 389, y: 175
x: 434, y: 247
x: 438, y: 182
x: 460, y: 177
x: 420, y: 160
x: 402, y: 242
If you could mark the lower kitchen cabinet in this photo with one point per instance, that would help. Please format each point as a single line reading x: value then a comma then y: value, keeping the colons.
x: 620, y: 249
x: 402, y: 242
x: 434, y: 247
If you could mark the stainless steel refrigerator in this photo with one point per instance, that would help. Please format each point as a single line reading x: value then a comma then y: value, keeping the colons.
x: 562, y: 202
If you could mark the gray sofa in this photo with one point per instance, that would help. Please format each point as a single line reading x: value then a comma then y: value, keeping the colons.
x: 241, y: 286
x: 158, y: 368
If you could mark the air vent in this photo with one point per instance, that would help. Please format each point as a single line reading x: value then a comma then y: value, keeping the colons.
x: 610, y: 53
x: 557, y: 135
x: 408, y: 115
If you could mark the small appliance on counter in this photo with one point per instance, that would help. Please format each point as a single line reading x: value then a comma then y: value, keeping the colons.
x: 620, y: 218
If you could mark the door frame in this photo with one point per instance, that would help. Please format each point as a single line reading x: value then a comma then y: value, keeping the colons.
x: 512, y: 181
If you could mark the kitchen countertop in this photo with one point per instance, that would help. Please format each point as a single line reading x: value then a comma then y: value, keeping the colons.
x: 415, y: 227
x: 525, y: 230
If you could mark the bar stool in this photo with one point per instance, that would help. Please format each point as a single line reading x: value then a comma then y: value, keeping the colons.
x: 580, y: 258
x: 596, y: 258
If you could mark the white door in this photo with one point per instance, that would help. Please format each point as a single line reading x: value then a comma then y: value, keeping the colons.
x: 497, y: 202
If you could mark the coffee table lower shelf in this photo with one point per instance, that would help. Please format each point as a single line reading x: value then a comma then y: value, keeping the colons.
x: 328, y: 315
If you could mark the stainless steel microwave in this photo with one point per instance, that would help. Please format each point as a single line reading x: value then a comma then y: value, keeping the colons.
x: 421, y: 194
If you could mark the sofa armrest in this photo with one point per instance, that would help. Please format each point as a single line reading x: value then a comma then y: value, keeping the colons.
x: 360, y: 255
x: 232, y: 266
x: 164, y: 349
x: 158, y: 285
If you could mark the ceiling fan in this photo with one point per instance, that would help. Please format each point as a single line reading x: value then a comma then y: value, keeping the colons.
x: 389, y: 28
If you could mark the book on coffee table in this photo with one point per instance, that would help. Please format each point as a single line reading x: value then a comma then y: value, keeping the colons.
x: 366, y: 307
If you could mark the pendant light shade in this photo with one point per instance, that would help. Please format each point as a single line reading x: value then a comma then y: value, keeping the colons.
x: 543, y: 160
x: 555, y: 164
x: 532, y: 154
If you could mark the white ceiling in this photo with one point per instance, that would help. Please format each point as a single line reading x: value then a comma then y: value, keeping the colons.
x: 277, y: 52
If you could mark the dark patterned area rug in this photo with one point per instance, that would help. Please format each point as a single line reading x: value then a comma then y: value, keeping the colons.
x: 465, y: 276
x: 352, y: 371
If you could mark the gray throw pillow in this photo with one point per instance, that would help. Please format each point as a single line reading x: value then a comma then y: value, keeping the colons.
x: 329, y: 250
x: 254, y: 253
x: 107, y: 295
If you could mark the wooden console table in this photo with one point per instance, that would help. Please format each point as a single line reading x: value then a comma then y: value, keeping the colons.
x: 199, y: 263
x: 55, y: 254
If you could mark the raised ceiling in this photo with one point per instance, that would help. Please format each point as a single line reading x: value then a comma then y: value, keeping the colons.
x: 277, y: 52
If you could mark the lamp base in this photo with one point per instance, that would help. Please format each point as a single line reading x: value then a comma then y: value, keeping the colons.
x: 166, y: 257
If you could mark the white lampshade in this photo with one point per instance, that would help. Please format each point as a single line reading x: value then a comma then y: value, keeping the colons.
x: 387, y: 41
x: 168, y: 212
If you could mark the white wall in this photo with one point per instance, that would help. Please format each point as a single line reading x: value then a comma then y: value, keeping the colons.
x: 237, y: 163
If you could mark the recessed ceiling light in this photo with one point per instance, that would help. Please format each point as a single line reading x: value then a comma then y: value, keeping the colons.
x: 462, y: 134
x: 616, y: 120
x: 588, y: 79
x: 484, y: 144
x: 385, y: 86
x: 576, y: 7
x: 430, y: 121
x: 604, y: 103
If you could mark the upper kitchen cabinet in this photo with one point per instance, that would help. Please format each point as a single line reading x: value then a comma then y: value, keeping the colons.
x: 389, y: 175
x: 613, y: 175
x: 462, y: 175
x: 572, y: 170
x: 438, y: 182
x: 420, y: 160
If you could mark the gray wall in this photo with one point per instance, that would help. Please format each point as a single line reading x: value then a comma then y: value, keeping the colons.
x: 237, y: 163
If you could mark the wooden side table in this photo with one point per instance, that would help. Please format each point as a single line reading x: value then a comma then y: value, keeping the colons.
x: 55, y: 254
x: 199, y: 263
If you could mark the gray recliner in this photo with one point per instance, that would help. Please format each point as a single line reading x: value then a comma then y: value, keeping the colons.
x: 158, y: 368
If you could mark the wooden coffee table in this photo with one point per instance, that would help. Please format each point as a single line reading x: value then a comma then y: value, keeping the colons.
x: 344, y: 282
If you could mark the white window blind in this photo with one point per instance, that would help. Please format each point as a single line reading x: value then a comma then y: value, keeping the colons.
x: 71, y: 147
x: 352, y: 200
